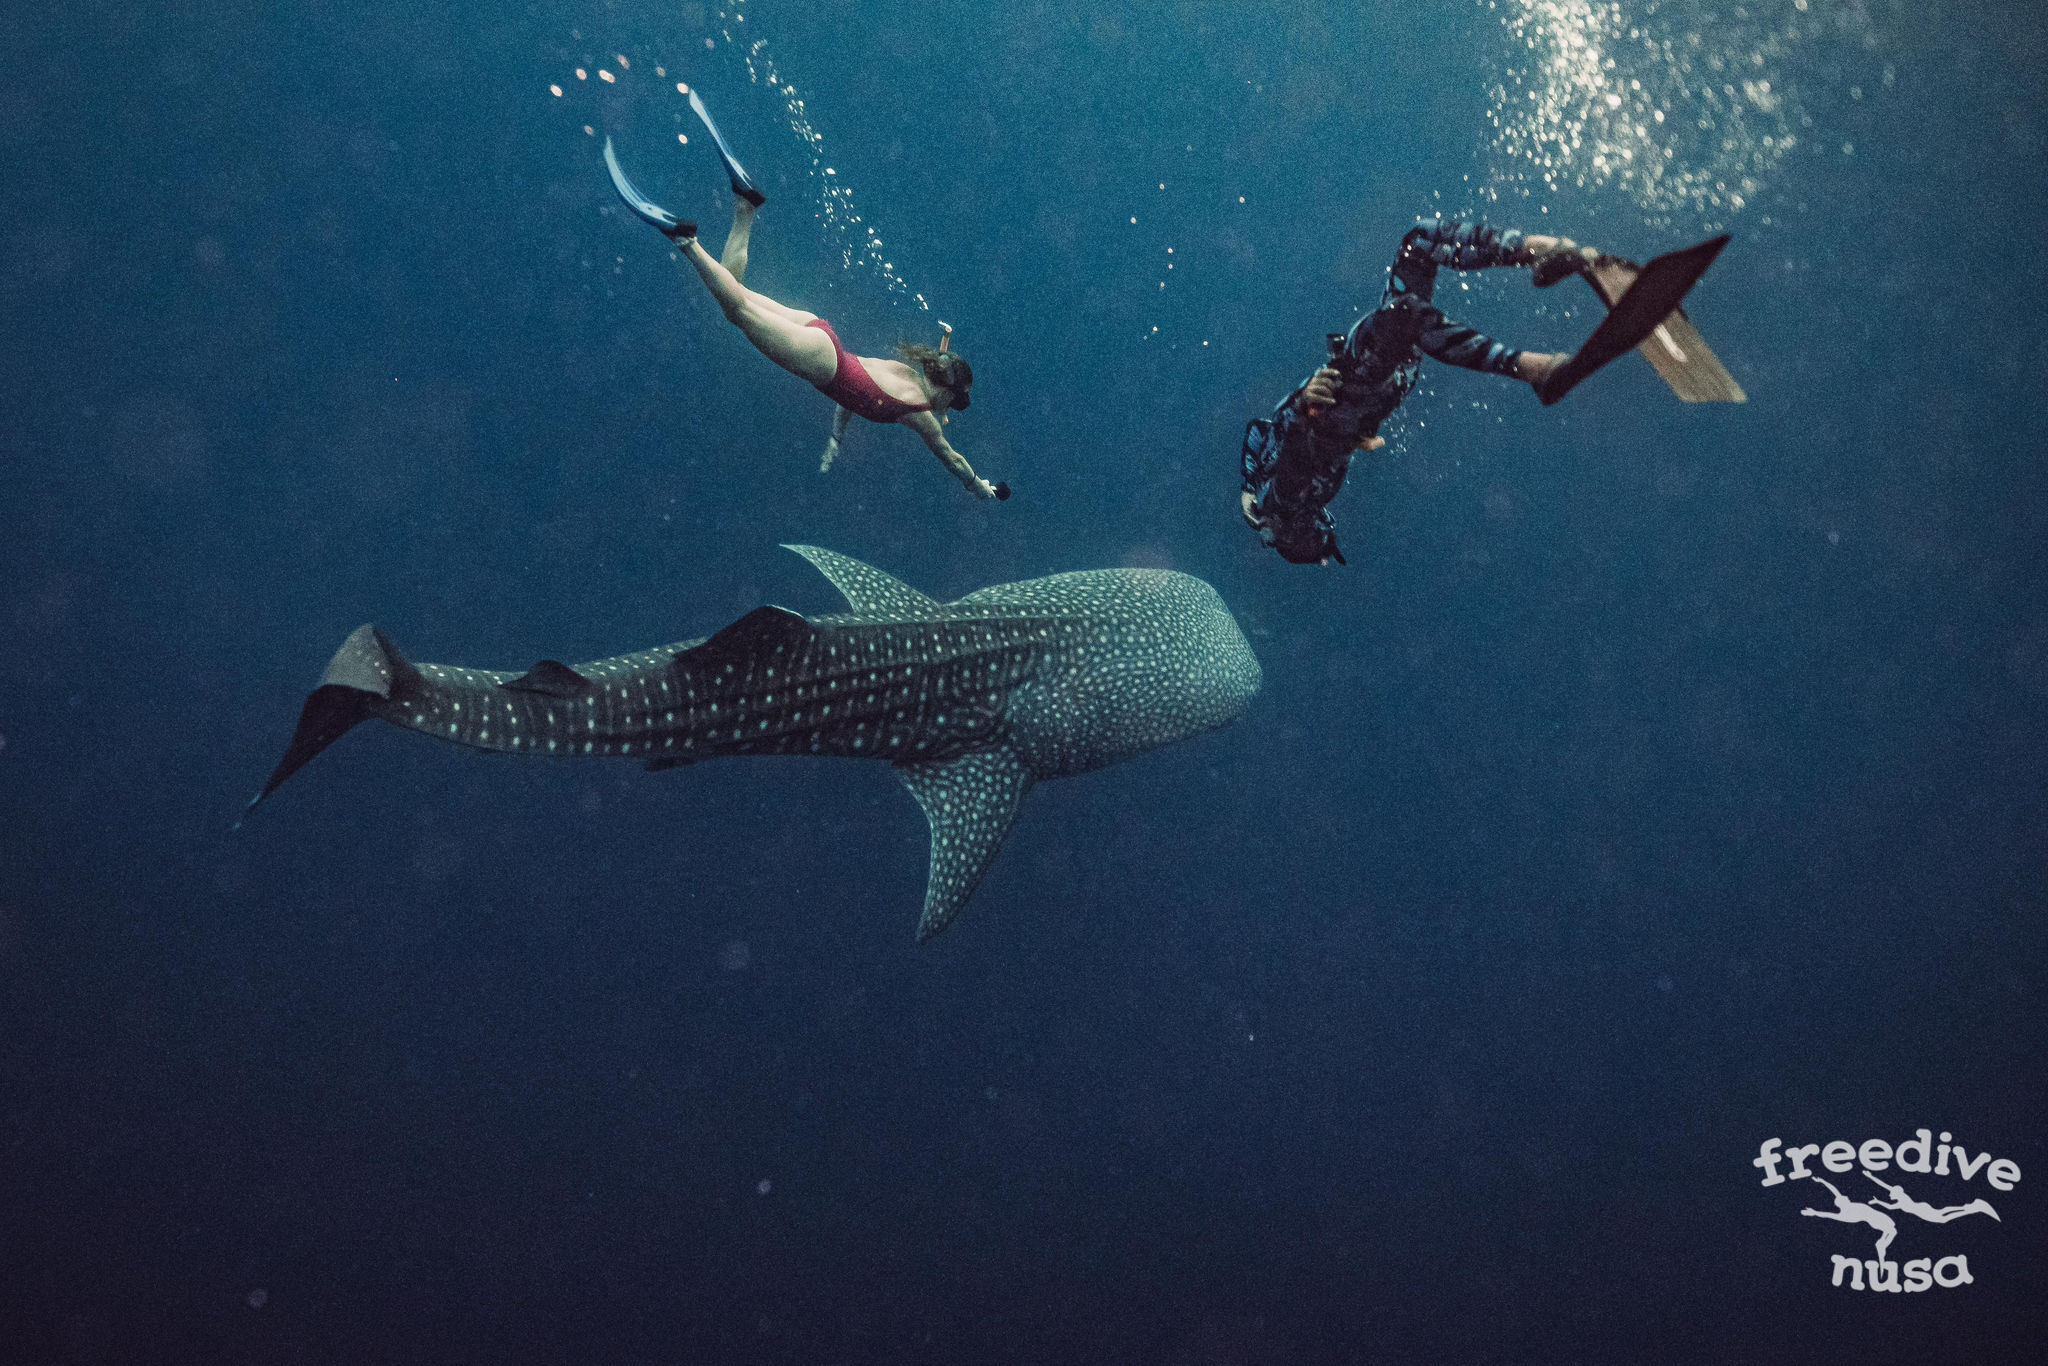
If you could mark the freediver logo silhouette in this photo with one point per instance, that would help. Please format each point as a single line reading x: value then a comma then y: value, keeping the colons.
x: 1920, y: 1155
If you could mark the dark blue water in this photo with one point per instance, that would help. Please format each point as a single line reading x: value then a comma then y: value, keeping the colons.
x: 1655, y: 780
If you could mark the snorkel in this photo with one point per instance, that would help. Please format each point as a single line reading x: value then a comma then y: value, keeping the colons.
x: 943, y: 369
x: 952, y: 372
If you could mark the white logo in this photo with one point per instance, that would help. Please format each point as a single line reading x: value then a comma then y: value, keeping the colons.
x: 1919, y: 1154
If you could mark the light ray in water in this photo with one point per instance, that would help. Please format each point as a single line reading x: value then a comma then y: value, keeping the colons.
x: 1686, y: 105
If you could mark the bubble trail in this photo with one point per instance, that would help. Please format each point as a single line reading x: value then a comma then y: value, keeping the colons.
x: 1684, y: 107
x: 859, y: 243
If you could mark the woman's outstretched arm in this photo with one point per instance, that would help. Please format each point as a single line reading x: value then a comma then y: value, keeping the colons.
x: 927, y: 426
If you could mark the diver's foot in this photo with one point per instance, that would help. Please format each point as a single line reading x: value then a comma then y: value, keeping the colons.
x: 682, y: 231
x: 1567, y: 260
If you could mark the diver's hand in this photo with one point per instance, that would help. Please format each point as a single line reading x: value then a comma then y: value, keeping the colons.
x: 1250, y: 505
x: 1319, y: 393
x: 1370, y: 443
x: 981, y: 488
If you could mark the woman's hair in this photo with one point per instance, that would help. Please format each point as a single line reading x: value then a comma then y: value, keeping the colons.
x: 942, y: 368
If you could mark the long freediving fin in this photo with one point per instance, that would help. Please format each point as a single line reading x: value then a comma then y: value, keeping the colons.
x: 648, y: 211
x: 1675, y: 349
x: 742, y: 184
x: 1633, y: 318
x: 970, y: 802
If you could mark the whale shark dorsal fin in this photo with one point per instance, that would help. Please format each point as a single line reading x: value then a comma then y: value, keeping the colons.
x: 868, y: 591
x: 551, y: 678
x: 970, y: 802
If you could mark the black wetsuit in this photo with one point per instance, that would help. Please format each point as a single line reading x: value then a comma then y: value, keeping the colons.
x: 1294, y: 466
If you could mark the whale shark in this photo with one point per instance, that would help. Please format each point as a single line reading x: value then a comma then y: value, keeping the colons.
x: 971, y: 701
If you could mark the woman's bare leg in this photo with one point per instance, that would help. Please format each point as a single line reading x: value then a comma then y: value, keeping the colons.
x: 734, y: 257
x: 779, y: 333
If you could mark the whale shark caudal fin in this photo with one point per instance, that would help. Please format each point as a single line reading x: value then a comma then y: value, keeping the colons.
x: 868, y: 591
x: 367, y: 670
x: 971, y: 802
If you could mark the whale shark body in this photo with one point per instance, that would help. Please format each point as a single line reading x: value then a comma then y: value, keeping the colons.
x: 971, y: 701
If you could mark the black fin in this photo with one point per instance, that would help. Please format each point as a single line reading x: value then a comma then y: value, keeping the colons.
x: 1675, y: 349
x: 365, y: 672
x: 551, y: 679
x: 1653, y: 297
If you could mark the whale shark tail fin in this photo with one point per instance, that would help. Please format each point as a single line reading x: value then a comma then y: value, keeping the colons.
x: 366, y: 672
x: 971, y: 802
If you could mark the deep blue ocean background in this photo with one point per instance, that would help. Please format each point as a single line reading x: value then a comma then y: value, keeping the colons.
x: 1654, y: 781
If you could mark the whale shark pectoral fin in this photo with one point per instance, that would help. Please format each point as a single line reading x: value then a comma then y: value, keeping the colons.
x: 364, y: 673
x: 970, y: 802
x: 868, y: 591
x: 551, y: 678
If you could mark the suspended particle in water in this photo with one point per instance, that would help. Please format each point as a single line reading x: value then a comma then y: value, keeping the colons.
x: 555, y: 90
x: 682, y: 89
x: 581, y: 74
x: 258, y: 1297
x: 606, y: 77
x: 620, y: 58
x: 763, y: 1186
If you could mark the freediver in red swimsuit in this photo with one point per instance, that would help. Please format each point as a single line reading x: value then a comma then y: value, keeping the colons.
x: 908, y: 392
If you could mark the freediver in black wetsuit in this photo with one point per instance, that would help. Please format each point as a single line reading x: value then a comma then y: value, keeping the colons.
x: 1296, y: 460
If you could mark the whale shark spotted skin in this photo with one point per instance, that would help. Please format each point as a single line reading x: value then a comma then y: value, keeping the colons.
x: 971, y: 701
